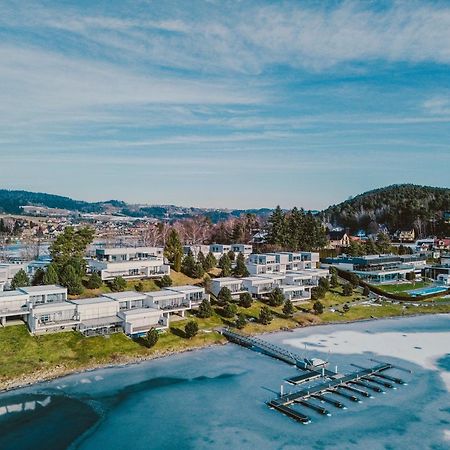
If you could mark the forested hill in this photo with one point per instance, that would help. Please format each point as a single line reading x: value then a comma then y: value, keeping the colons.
x: 399, y: 206
x: 11, y: 202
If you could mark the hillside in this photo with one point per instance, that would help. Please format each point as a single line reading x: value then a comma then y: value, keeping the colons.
x: 11, y: 202
x: 398, y: 207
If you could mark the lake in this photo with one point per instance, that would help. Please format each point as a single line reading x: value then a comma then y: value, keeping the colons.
x: 215, y: 398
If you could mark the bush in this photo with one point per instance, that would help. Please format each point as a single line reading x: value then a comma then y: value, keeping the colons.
x: 334, y: 281
x: 151, y: 338
x: 241, y: 321
x: 230, y: 310
x: 347, y: 290
x: 288, y: 308
x: 366, y: 291
x: 318, y: 307
x: 139, y: 287
x: 346, y: 308
x: 265, y: 315
x: 118, y: 284
x: 245, y: 300
x: 165, y: 281
x: 317, y: 292
x: 191, y: 329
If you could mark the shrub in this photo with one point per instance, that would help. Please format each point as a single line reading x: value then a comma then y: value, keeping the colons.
x: 265, y: 315
x: 165, y: 281
x: 276, y: 297
x: 118, y: 284
x: 318, y: 307
x: 94, y: 281
x: 347, y: 290
x: 241, y: 321
x: 151, y: 338
x: 245, y: 300
x: 229, y: 311
x: 205, y: 310
x: 224, y: 296
x: 288, y: 308
x: 191, y: 329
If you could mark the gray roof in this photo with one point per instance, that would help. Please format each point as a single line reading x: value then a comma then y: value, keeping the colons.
x: 91, y: 301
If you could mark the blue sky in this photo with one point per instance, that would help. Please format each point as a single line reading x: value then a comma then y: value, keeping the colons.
x: 223, y: 104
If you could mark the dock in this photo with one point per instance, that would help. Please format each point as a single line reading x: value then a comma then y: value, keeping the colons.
x: 328, y: 384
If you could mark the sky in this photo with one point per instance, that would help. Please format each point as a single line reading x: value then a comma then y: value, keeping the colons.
x: 237, y: 104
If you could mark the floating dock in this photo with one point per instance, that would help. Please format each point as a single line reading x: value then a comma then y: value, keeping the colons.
x: 328, y: 384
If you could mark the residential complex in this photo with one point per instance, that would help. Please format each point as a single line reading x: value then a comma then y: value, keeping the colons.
x: 281, y: 262
x: 129, y: 263
x: 439, y: 272
x: 379, y: 268
x: 218, y: 250
x: 47, y: 309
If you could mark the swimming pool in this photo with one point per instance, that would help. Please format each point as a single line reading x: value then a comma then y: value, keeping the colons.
x: 427, y: 291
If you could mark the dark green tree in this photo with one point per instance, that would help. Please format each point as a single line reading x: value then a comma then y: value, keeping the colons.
x: 118, y: 284
x: 225, y: 265
x: 245, y: 300
x: 224, y: 296
x: 202, y: 260
x: 173, y: 250
x: 240, y: 269
x: 20, y: 279
x: 188, y: 265
x: 229, y: 310
x: 38, y: 277
x: 317, y: 292
x: 71, y: 280
x: 354, y: 280
x: 231, y: 255
x: 324, y: 283
x: 241, y: 321
x: 366, y: 291
x: 165, y: 281
x: 318, y: 307
x: 191, y: 329
x: 276, y: 297
x: 265, y: 315
x: 94, y: 281
x: 276, y: 234
x: 139, y: 286
x: 210, y: 262
x: 205, y: 310
x: 51, y: 275
x: 347, y: 289
x: 288, y: 308
x: 151, y: 337
x: 334, y: 281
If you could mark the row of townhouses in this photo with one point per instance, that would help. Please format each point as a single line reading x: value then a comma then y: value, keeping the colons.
x: 218, y: 250
x: 47, y: 309
x: 295, y: 285
x: 295, y: 273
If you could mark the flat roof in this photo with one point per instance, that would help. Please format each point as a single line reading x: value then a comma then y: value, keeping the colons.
x: 126, y: 295
x: 164, y: 293
x: 186, y: 288
x: 226, y: 279
x: 15, y: 293
x: 92, y: 300
x: 46, y: 289
x: 53, y: 306
x: 272, y: 275
x: 139, y: 311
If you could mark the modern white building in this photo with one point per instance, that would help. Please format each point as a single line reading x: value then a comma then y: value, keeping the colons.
x: 128, y: 299
x: 137, y: 322
x: 281, y: 262
x: 53, y: 317
x: 170, y: 302
x: 129, y: 263
x: 193, y: 295
x: 13, y: 305
x: 38, y: 295
x: 245, y: 249
x: 98, y: 315
x: 235, y: 285
x: 196, y: 249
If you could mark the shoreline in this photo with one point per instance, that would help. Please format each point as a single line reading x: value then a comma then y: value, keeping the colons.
x: 24, y: 381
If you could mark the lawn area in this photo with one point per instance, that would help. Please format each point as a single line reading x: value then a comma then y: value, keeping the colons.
x: 402, y: 287
x: 335, y: 298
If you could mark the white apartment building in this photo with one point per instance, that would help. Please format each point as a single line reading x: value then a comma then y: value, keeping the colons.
x: 235, y: 285
x: 281, y: 262
x: 137, y: 322
x: 193, y: 295
x: 170, y: 302
x: 53, y: 317
x: 13, y: 305
x: 129, y: 263
x: 98, y: 315
x: 127, y: 299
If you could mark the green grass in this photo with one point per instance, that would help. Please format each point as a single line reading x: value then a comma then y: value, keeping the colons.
x: 22, y: 354
x: 402, y: 287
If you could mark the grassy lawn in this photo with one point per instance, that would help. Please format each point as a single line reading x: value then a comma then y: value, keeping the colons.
x: 402, y: 287
x: 22, y: 354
